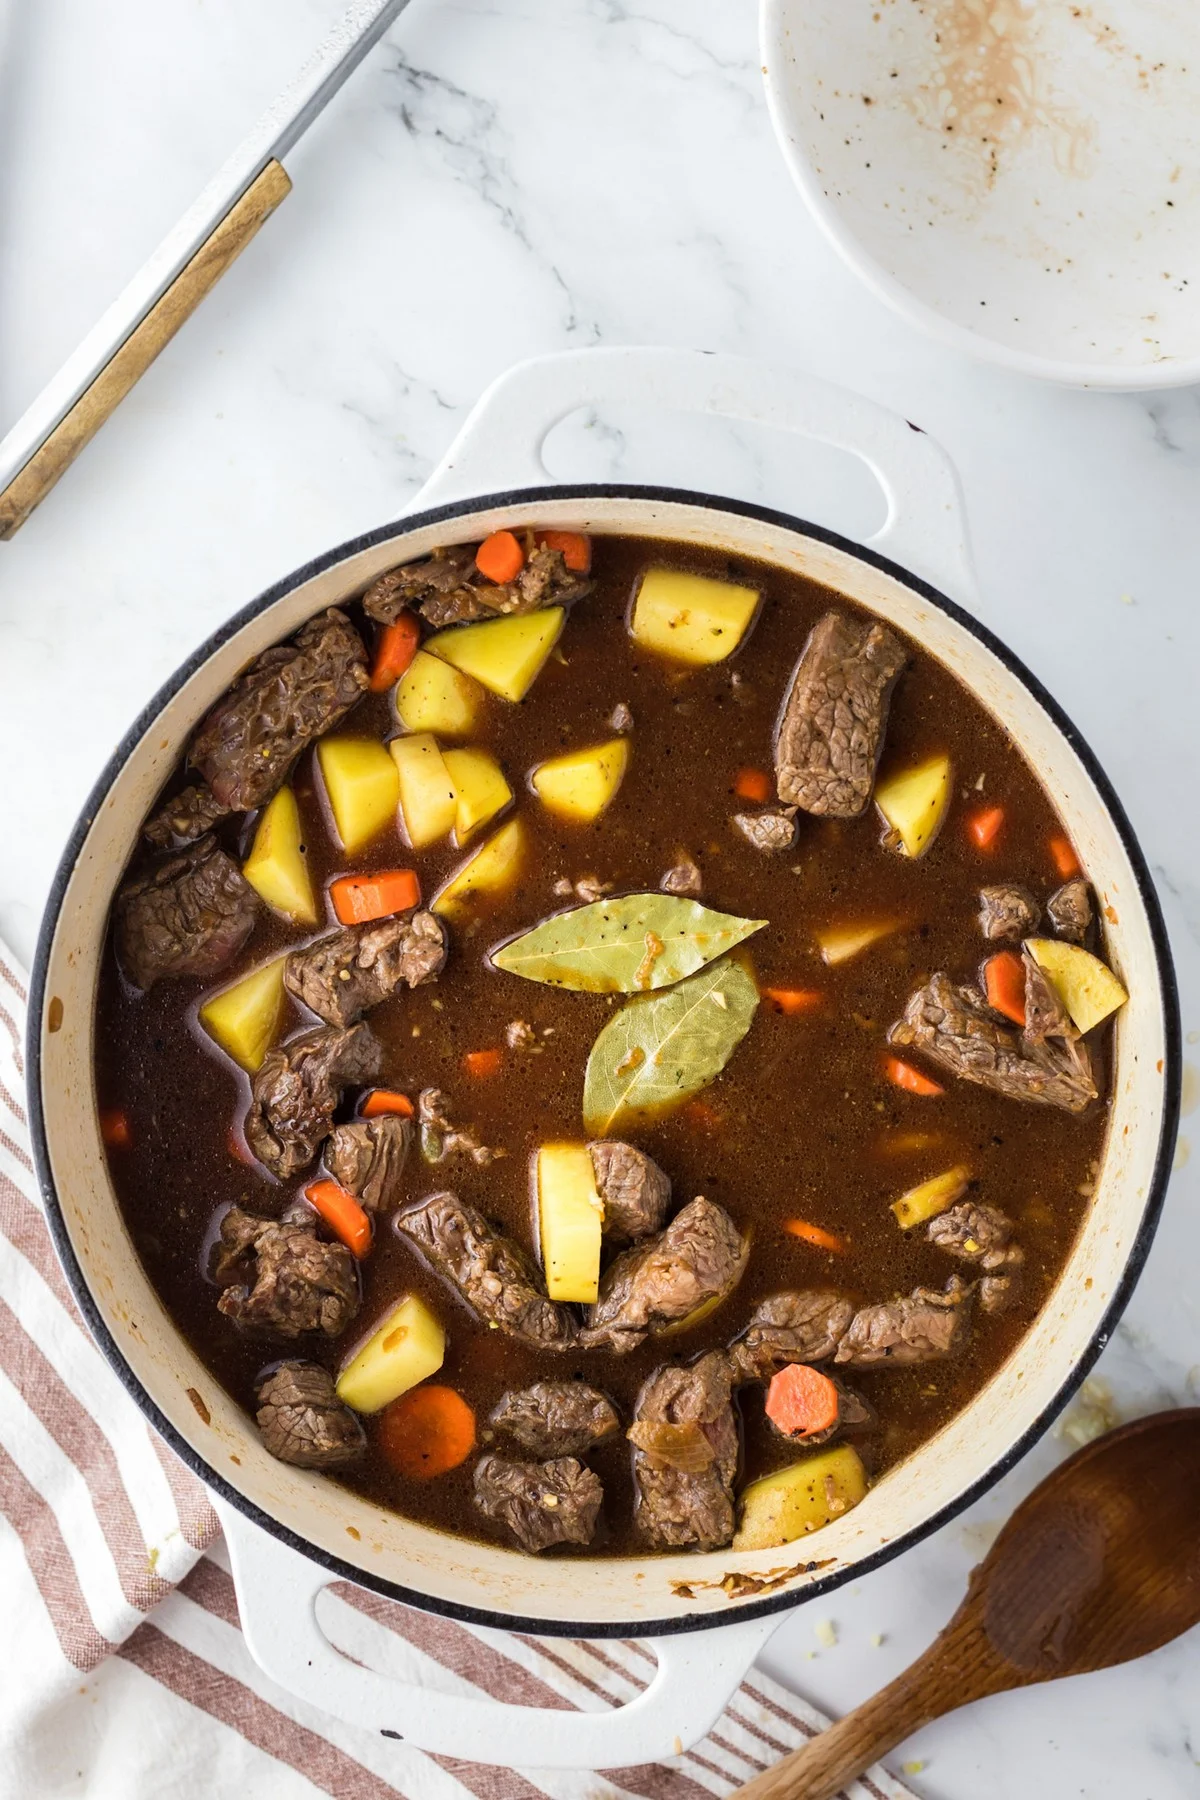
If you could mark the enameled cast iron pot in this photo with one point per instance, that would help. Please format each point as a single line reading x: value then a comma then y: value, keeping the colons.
x: 916, y: 575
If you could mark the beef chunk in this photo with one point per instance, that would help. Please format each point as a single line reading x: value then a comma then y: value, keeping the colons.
x: 542, y: 1503
x: 768, y: 831
x: 556, y: 1418
x: 699, y: 1257
x: 683, y: 878
x: 802, y: 1327
x: 440, y: 1138
x: 288, y: 696
x: 282, y: 1277
x: 1007, y: 912
x: 976, y: 1233
x: 492, y: 1274
x: 341, y: 977
x: 921, y: 1327
x: 633, y: 1188
x: 303, y: 1421
x: 294, y: 1095
x: 190, y: 916
x: 367, y: 1157
x: 853, y: 1414
x: 185, y: 818
x: 1070, y: 910
x: 832, y: 728
x: 998, y: 1292
x: 957, y: 1030
x: 447, y: 589
x: 685, y: 1456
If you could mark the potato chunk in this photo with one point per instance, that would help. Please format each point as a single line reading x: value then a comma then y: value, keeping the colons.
x: 277, y: 867
x: 581, y: 784
x: 363, y: 785
x: 691, y: 618
x: 914, y: 801
x: 493, y: 868
x: 428, y: 803
x: 799, y: 1499
x: 406, y: 1348
x: 245, y: 1018
x: 1089, y: 989
x: 480, y: 789
x: 431, y: 696
x: 506, y: 654
x: 931, y: 1197
x: 570, y: 1218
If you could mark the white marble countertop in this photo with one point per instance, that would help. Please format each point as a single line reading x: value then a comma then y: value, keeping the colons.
x: 501, y: 180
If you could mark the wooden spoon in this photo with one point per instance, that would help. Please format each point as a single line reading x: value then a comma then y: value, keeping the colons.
x: 1099, y: 1565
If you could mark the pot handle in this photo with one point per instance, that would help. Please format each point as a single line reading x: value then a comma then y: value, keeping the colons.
x: 277, y: 1591
x: 500, y: 444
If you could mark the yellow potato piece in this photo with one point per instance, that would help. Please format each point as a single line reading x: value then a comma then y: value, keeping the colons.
x: 431, y: 696
x: 799, y: 1499
x: 838, y: 943
x: 581, y: 784
x: 408, y: 1347
x: 931, y: 1197
x: 1089, y: 989
x: 277, y: 867
x: 363, y: 785
x: 480, y: 789
x: 428, y: 803
x: 493, y: 868
x: 245, y: 1018
x: 505, y: 654
x: 914, y: 801
x: 570, y: 1218
x: 691, y: 618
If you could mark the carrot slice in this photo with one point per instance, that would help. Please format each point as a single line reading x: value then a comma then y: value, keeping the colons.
x: 794, y: 1000
x: 576, y: 548
x: 752, y: 784
x: 500, y: 557
x: 357, y: 898
x: 427, y: 1432
x: 115, y: 1128
x: 1065, y: 860
x: 801, y: 1401
x: 903, y: 1075
x: 1004, y: 984
x: 983, y: 828
x: 816, y: 1235
x: 342, y: 1213
x: 482, y: 1063
x: 385, y: 1100
x: 397, y: 645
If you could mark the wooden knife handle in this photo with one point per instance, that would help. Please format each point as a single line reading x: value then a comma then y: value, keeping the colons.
x: 141, y: 347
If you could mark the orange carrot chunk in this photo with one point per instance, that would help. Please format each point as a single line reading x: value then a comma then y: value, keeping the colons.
x: 115, y: 1129
x: 794, y: 1000
x: 903, y: 1075
x: 816, y: 1235
x: 394, y: 651
x: 801, y: 1401
x: 752, y: 784
x: 983, y: 828
x: 385, y: 1100
x: 1004, y: 984
x: 1062, y: 852
x: 427, y: 1432
x: 576, y: 548
x: 500, y: 557
x: 358, y: 898
x: 482, y: 1063
x: 342, y: 1213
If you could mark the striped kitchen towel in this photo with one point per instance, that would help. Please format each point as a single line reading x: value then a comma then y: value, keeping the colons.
x: 123, y: 1671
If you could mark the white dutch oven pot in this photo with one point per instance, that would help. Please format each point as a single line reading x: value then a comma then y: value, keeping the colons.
x: 291, y: 1532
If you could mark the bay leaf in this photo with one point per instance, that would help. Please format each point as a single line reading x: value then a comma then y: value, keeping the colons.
x: 627, y: 945
x: 660, y: 1049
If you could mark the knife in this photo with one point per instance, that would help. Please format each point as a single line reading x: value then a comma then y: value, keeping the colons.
x: 187, y: 264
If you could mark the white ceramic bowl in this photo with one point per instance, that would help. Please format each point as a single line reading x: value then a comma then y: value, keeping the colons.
x: 344, y: 1534
x: 1019, y: 177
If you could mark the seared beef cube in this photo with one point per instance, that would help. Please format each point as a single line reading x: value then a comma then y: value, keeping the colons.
x: 957, y: 1030
x: 634, y: 1190
x: 367, y: 1158
x: 297, y: 1090
x: 978, y: 1233
x: 924, y: 1326
x: 303, y: 1421
x: 768, y: 831
x: 699, y: 1257
x: 1070, y: 910
x: 448, y: 589
x: 341, y: 977
x: 442, y: 574
x: 1007, y: 912
x: 542, y: 1503
x: 683, y: 878
x: 853, y: 1414
x: 190, y: 916
x: 441, y: 1138
x: 286, y: 699
x: 283, y: 1278
x: 802, y: 1327
x: 556, y: 1418
x: 491, y: 1273
x: 685, y: 1456
x: 185, y: 818
x: 832, y: 728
